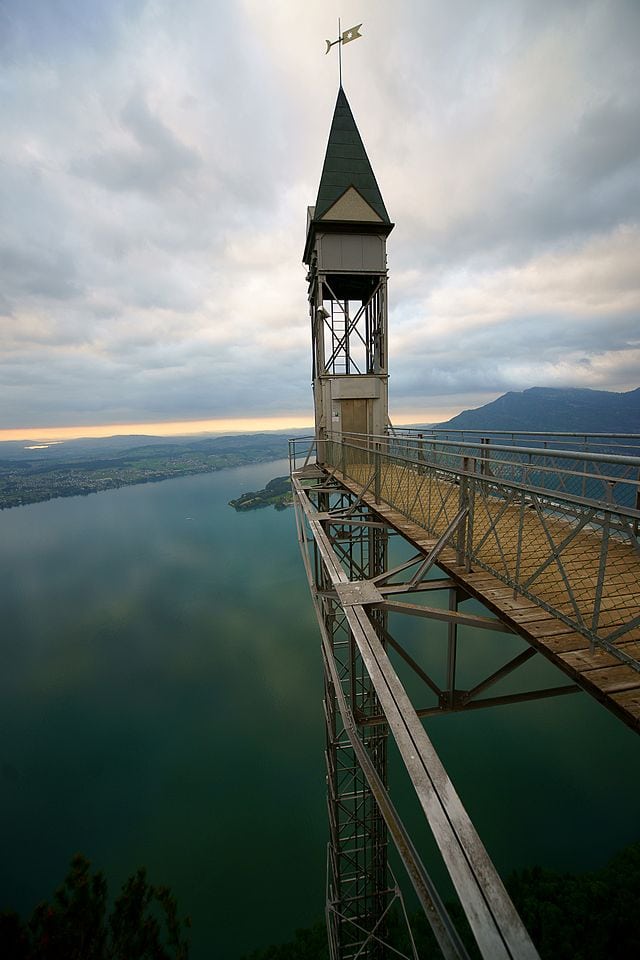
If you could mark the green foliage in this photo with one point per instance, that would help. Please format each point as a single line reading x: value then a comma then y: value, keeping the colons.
x: 142, y: 925
x: 277, y: 493
x: 590, y: 916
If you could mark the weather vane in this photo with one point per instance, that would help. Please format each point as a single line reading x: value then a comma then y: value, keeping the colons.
x: 345, y: 36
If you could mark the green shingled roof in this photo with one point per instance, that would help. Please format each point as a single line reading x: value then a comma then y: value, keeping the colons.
x: 346, y: 164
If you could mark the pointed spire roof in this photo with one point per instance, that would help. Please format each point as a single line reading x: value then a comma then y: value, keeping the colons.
x: 346, y: 165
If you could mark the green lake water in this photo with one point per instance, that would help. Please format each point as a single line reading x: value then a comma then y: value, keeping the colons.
x: 160, y: 704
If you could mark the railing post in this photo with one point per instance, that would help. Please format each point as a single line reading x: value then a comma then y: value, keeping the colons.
x: 484, y: 466
x: 463, y: 501
x: 471, y: 494
x: 521, y: 516
x: 610, y: 484
x: 602, y: 566
x: 377, y: 465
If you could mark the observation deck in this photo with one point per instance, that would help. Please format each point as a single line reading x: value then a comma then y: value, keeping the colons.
x: 542, y: 529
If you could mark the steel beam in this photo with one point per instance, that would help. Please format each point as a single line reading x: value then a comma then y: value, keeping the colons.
x: 492, y: 918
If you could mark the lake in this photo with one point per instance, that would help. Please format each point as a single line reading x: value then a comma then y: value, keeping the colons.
x: 161, y: 704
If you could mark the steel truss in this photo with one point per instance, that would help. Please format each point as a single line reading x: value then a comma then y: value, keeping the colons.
x: 349, y: 336
x: 344, y: 545
x: 359, y: 887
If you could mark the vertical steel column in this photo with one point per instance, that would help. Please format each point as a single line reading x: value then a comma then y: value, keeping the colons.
x: 358, y: 883
x: 452, y: 649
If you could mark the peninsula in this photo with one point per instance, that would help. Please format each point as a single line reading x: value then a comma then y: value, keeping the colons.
x: 277, y: 493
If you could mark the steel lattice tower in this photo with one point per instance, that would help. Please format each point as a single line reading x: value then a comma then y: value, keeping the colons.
x: 345, y: 253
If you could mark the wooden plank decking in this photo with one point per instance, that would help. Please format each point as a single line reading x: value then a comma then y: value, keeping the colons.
x: 616, y: 685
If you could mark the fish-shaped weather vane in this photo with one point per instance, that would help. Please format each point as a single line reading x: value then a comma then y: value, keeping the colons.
x: 344, y: 36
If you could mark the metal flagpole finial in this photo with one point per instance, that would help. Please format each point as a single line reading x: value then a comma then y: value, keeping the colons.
x: 344, y: 36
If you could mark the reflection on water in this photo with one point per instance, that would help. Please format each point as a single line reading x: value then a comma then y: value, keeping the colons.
x: 160, y: 704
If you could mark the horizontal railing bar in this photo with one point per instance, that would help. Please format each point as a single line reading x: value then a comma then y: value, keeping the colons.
x: 537, y: 467
x: 483, y: 448
x: 524, y: 433
x: 563, y: 496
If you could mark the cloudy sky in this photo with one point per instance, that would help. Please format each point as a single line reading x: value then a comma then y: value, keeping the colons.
x: 157, y: 158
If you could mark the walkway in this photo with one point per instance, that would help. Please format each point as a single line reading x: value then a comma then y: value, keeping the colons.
x: 561, y: 573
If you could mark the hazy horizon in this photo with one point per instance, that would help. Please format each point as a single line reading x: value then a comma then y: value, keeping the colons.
x: 175, y: 428
x: 216, y: 426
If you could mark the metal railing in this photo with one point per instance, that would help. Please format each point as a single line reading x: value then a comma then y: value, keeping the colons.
x: 593, y: 475
x: 560, y: 527
x: 302, y: 451
x: 609, y: 443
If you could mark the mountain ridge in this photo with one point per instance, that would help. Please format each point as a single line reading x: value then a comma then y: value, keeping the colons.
x: 555, y: 409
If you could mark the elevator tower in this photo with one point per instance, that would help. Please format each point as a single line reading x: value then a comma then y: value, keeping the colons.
x: 345, y: 252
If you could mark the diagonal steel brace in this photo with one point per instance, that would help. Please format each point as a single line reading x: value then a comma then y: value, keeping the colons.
x: 435, y: 551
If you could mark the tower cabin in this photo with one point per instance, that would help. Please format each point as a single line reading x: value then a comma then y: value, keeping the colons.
x: 345, y: 252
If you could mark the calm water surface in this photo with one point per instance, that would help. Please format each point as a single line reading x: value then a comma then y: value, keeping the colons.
x: 160, y: 704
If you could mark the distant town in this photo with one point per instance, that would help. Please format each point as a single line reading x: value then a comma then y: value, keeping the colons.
x: 81, y: 468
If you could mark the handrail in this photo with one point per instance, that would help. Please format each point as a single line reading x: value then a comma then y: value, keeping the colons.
x: 584, y: 439
x: 534, y: 451
x: 574, y: 554
x: 532, y: 471
x: 523, y: 433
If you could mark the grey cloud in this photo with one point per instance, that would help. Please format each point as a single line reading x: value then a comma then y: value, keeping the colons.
x: 105, y: 391
x: 606, y: 142
x: 5, y: 306
x: 554, y: 108
x: 579, y: 193
x: 496, y: 359
x: 41, y: 272
x: 158, y: 162
x: 157, y: 168
x: 525, y: 336
x: 42, y: 28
